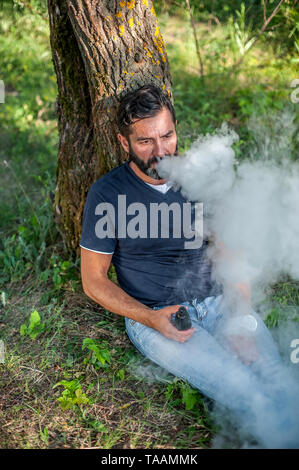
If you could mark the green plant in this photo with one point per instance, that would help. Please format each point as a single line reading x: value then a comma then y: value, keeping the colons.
x: 190, y: 396
x: 272, y: 318
x: 112, y: 274
x: 241, y: 34
x: 34, y: 328
x: 96, y: 425
x: 25, y: 251
x: 60, y: 271
x: 120, y: 374
x: 99, y: 355
x: 179, y: 392
x: 72, y: 395
x: 44, y: 435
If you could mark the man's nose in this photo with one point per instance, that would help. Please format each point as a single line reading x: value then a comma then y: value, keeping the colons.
x: 159, y: 150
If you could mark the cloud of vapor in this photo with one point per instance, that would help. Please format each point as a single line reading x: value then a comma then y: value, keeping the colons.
x: 251, y: 207
x: 251, y: 211
x: 264, y: 432
x: 143, y: 369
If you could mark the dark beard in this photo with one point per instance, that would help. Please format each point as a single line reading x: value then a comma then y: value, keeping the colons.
x: 145, y: 167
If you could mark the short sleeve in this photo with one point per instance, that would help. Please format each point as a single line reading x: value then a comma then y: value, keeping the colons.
x: 98, y: 225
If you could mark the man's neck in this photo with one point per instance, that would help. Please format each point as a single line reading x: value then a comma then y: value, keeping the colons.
x: 143, y: 176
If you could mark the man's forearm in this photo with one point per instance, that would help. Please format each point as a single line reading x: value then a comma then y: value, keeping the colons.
x: 243, y: 289
x: 116, y: 300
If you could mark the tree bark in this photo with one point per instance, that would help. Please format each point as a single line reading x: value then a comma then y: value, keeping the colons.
x: 101, y: 50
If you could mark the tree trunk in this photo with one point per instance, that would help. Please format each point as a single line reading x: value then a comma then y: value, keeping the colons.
x: 101, y: 49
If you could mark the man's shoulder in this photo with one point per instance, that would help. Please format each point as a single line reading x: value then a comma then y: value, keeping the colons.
x: 113, y: 177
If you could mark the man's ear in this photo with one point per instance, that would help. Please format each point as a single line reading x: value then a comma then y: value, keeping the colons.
x: 124, y: 142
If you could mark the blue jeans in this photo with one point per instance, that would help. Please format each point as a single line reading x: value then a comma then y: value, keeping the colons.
x: 262, y: 395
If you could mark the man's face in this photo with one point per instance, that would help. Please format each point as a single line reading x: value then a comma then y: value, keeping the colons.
x: 151, y: 138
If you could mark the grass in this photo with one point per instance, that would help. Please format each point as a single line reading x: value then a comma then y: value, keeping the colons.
x: 120, y: 410
x: 69, y: 379
x: 28, y: 131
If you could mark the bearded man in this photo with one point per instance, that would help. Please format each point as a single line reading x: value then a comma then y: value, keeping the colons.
x: 154, y: 237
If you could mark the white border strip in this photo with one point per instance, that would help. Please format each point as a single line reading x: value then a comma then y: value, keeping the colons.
x: 102, y: 252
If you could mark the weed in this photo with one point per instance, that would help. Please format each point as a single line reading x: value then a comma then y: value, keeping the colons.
x: 72, y: 395
x: 96, y: 425
x: 180, y: 392
x: 61, y: 272
x: 241, y: 34
x: 190, y: 396
x: 272, y: 318
x: 44, y: 435
x: 99, y: 354
x: 34, y: 328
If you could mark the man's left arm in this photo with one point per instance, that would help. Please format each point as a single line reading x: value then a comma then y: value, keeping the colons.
x: 244, y: 345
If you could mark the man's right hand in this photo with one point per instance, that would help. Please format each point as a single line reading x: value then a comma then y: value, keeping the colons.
x: 97, y: 285
x: 161, y: 321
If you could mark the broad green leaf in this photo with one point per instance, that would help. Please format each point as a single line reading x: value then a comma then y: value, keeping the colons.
x: 34, y: 319
x: 23, y: 329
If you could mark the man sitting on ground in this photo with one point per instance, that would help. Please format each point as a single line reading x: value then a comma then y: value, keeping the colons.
x: 137, y: 221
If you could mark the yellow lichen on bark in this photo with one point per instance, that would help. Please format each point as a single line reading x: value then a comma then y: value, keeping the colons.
x: 159, y: 43
x: 153, y: 11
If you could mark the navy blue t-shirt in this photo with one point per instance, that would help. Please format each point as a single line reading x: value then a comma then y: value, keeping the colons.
x: 156, y: 239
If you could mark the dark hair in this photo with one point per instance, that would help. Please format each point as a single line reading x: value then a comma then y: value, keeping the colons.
x: 142, y: 103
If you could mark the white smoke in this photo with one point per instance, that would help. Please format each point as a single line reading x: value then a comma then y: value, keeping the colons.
x: 251, y: 207
x: 143, y: 369
x: 251, y: 210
